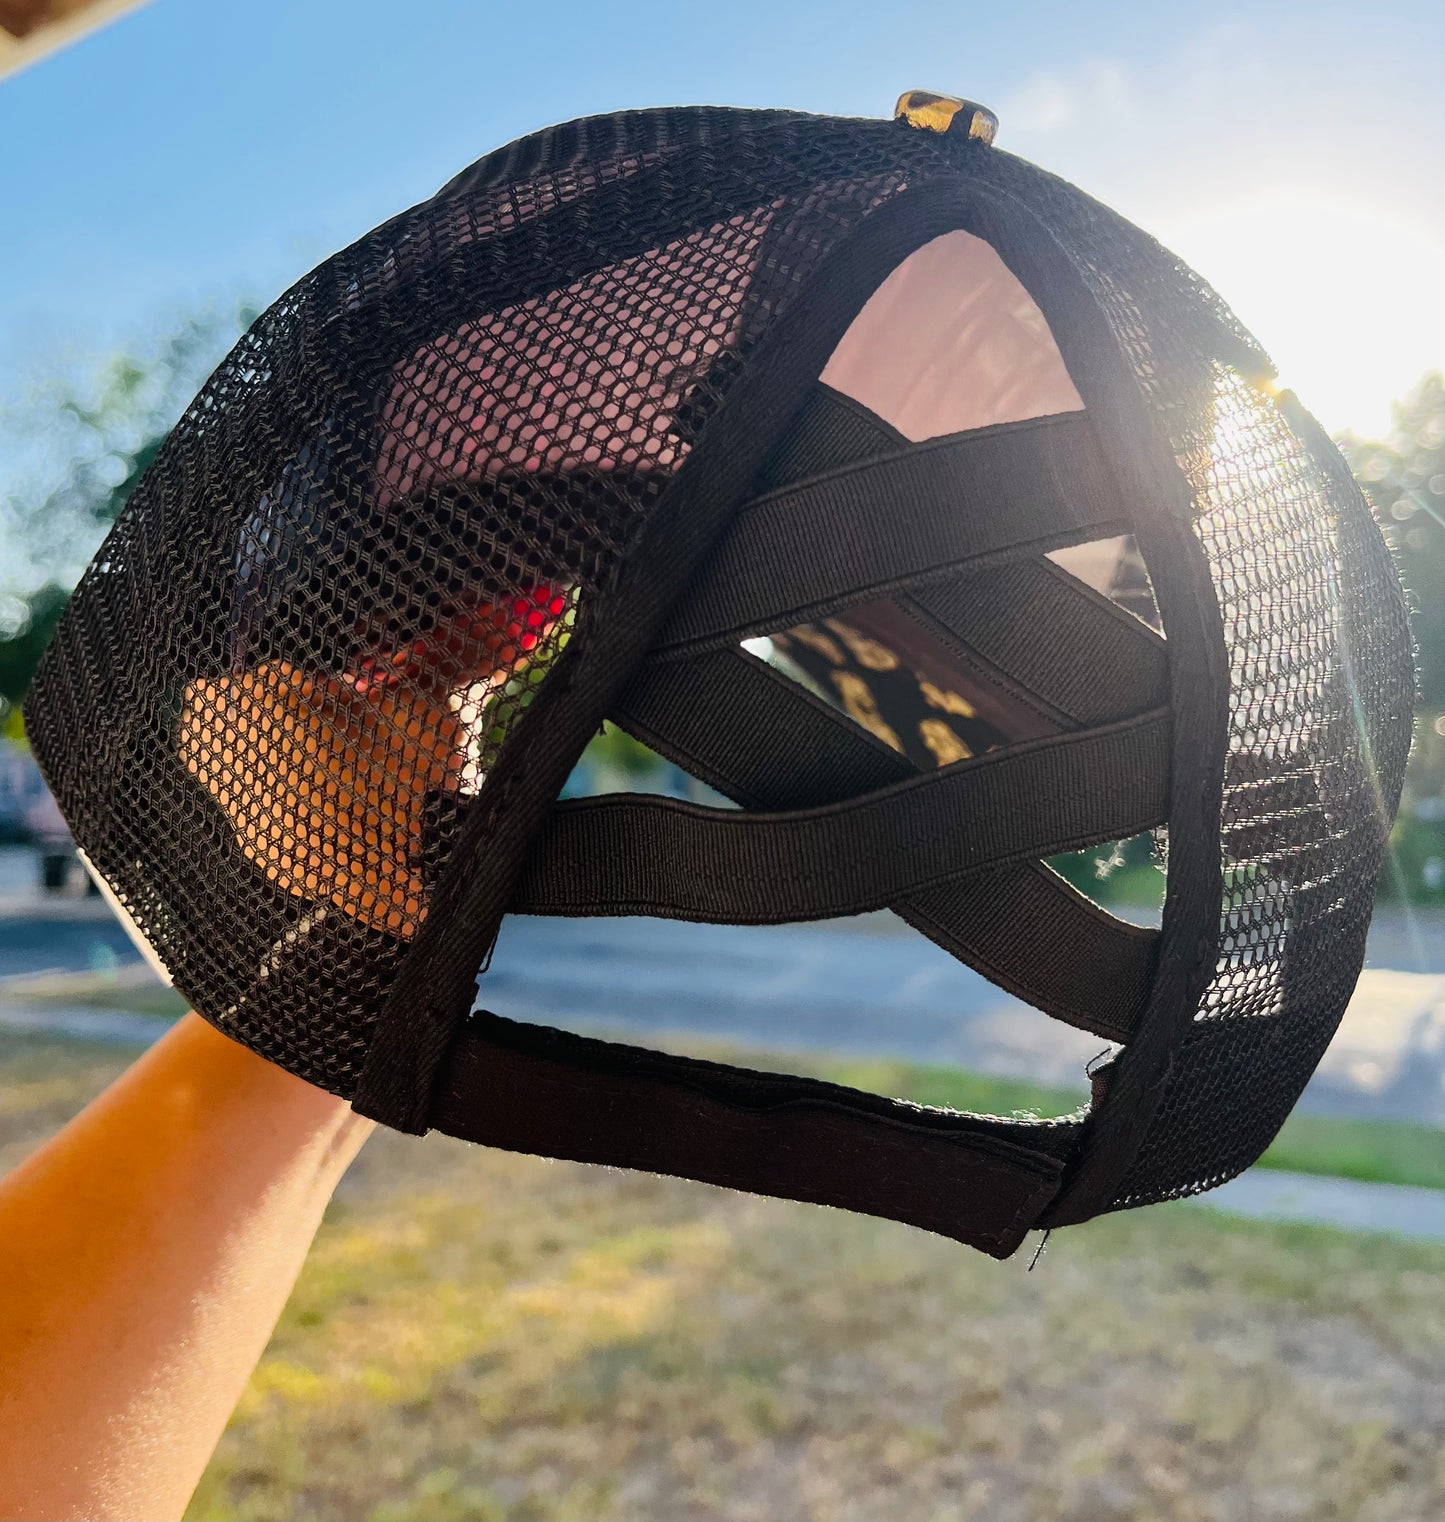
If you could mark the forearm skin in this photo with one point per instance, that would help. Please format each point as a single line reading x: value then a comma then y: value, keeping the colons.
x: 146, y: 1252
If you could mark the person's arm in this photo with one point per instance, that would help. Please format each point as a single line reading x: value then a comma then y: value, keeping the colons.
x: 147, y: 1250
x: 145, y: 1254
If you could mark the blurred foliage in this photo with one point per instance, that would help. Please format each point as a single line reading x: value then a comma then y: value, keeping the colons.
x: 98, y: 434
x: 20, y: 654
x: 1405, y: 477
x: 616, y: 750
x: 1128, y: 873
x: 1416, y: 868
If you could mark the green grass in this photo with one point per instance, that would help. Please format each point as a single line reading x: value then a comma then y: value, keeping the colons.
x: 495, y: 1338
x: 1383, y: 1152
x: 1376, y: 1151
x: 479, y: 1336
x: 134, y: 1001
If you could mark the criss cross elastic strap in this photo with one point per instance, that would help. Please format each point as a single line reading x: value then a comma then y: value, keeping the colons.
x: 948, y: 540
x: 836, y: 822
x: 1016, y: 921
x: 1035, y: 485
x: 769, y: 744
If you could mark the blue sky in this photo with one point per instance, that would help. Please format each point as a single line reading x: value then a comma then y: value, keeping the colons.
x: 202, y: 150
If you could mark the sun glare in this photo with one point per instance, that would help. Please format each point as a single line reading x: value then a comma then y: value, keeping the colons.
x: 1349, y: 301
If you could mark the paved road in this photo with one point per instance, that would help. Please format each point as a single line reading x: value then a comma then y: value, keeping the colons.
x: 867, y: 990
x: 73, y: 943
x: 1266, y: 1194
x: 869, y: 987
x: 876, y: 991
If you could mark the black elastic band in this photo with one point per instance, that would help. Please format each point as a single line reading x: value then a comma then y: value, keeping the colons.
x: 1006, y: 491
x: 624, y: 854
x: 753, y: 734
x: 1026, y: 929
x: 527, y: 1088
x: 1058, y: 639
x: 831, y: 429
x: 765, y: 742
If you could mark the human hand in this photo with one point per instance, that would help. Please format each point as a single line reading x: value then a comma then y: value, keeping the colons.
x: 326, y: 778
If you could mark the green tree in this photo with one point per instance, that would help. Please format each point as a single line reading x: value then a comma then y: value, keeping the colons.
x: 21, y: 652
x: 1405, y: 477
x: 96, y: 436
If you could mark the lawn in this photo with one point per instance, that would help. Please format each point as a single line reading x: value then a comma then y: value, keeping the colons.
x: 484, y: 1336
x: 1387, y: 1152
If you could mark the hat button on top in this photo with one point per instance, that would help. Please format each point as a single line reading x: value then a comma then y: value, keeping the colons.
x: 946, y: 113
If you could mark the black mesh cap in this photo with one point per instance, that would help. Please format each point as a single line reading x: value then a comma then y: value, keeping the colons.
x: 888, y: 484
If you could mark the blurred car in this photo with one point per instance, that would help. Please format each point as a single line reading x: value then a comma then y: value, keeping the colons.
x: 20, y: 786
x: 54, y: 845
x: 29, y: 816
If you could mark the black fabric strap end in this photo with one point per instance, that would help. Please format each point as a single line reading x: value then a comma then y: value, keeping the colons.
x: 527, y: 1088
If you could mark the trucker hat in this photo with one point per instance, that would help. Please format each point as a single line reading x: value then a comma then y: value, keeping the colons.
x: 915, y: 502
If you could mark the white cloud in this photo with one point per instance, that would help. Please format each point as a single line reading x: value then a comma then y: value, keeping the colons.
x: 1051, y: 100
